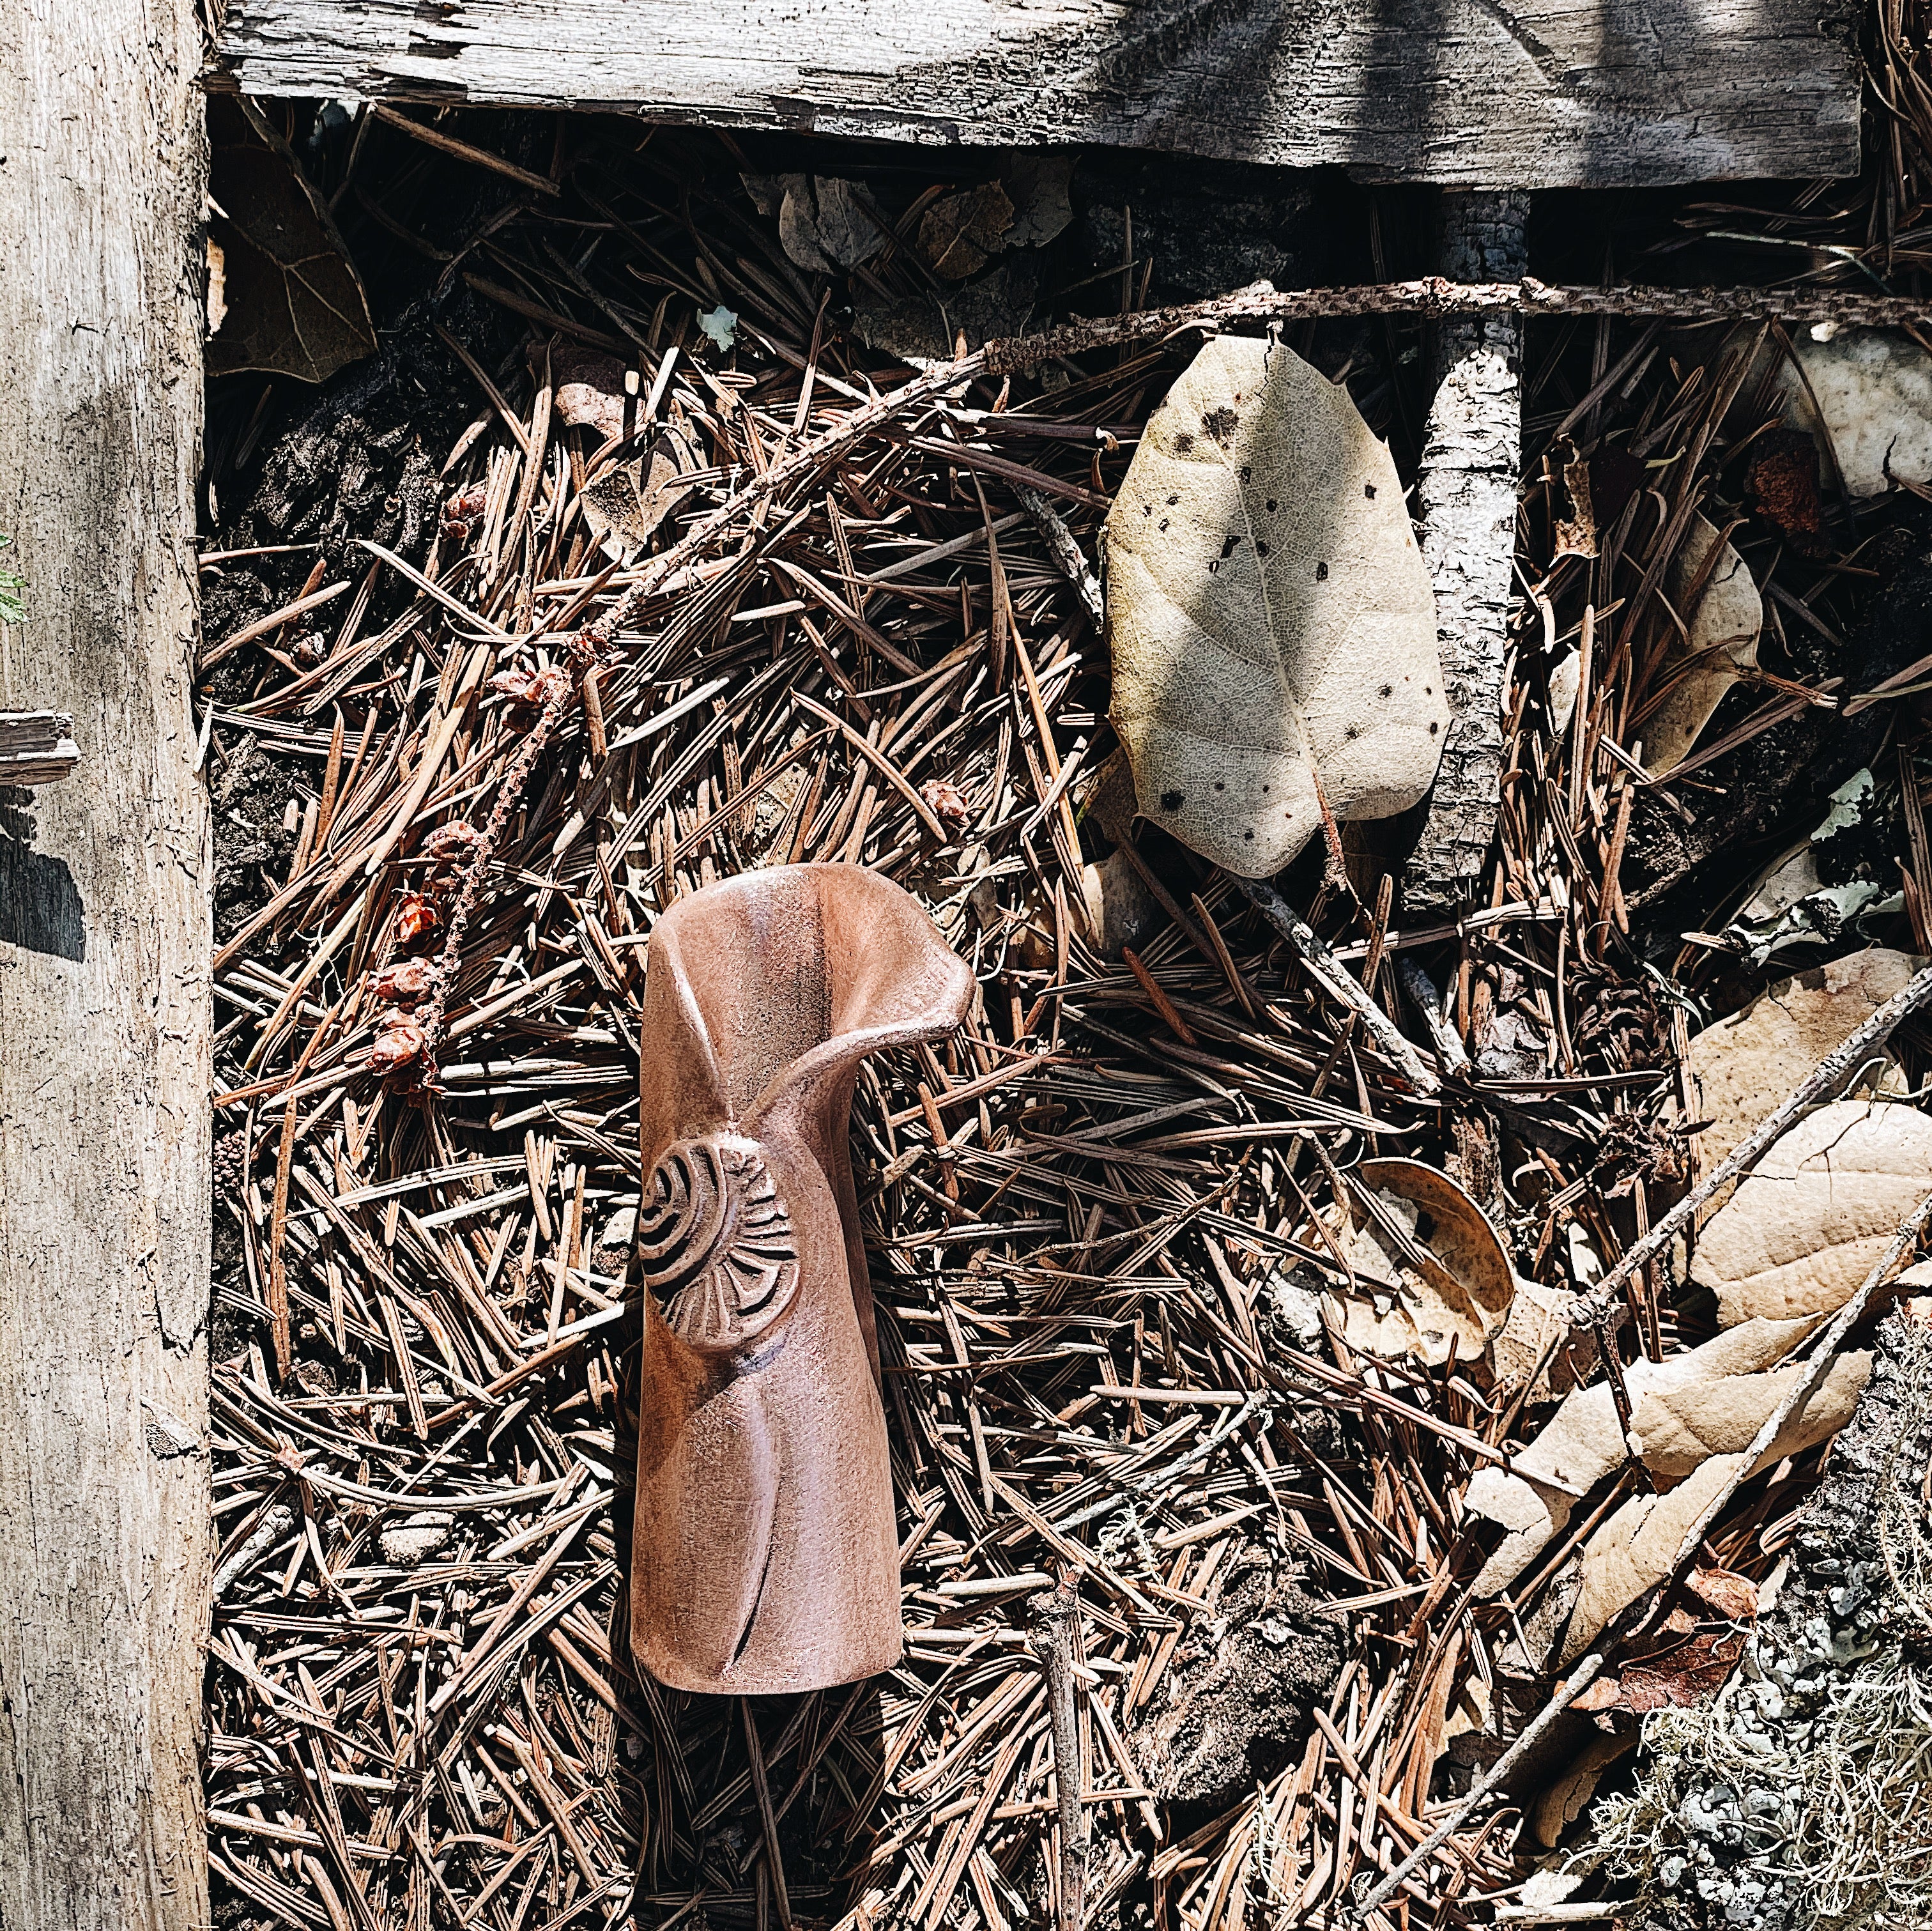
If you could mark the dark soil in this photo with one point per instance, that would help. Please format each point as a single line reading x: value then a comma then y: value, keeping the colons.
x: 1238, y: 1695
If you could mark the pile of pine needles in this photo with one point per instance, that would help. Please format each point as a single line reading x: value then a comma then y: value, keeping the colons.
x: 1094, y: 1219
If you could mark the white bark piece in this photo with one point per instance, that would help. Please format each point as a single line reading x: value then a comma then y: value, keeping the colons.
x: 1869, y: 393
x: 1465, y: 496
x: 1270, y: 618
x: 1807, y: 1222
x: 1575, y: 93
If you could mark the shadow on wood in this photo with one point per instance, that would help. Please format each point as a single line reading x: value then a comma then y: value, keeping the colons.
x: 40, y: 904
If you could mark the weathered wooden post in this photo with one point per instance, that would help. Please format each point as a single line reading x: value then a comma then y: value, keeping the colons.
x: 104, y: 1028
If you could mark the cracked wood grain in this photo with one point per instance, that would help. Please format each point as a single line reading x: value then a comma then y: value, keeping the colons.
x: 1570, y: 93
x: 104, y: 1009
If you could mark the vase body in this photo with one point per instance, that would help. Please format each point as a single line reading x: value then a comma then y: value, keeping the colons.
x: 765, y: 1557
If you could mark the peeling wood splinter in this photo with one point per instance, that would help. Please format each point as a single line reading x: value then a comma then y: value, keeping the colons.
x: 37, y: 747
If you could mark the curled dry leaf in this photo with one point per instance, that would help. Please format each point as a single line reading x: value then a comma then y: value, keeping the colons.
x: 1272, y: 627
x: 1562, y: 1804
x: 1428, y: 1269
x: 590, y: 389
x: 1581, y: 1444
x: 1681, y: 1427
x: 1740, y: 1067
x: 1807, y: 1222
x: 1721, y: 630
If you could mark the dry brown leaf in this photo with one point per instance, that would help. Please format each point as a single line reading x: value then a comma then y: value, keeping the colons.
x: 1688, y: 1674
x: 624, y: 505
x: 825, y: 222
x: 1037, y: 184
x: 959, y: 232
x: 294, y: 304
x: 1562, y: 1804
x: 1806, y: 1223
x: 1581, y: 1444
x: 1455, y: 1283
x: 1635, y: 1549
x: 1272, y: 622
x: 1730, y: 1594
x: 1537, y: 1316
x: 590, y: 389
x: 1722, y: 631
x: 1743, y: 1066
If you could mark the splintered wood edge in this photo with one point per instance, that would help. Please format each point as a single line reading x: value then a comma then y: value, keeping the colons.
x: 1454, y: 92
x: 35, y: 747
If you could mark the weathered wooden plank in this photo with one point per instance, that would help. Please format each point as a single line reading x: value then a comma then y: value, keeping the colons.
x: 104, y: 1007
x: 1495, y: 93
x: 35, y: 747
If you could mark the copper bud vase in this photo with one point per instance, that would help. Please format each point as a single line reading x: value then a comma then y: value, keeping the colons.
x: 766, y: 1555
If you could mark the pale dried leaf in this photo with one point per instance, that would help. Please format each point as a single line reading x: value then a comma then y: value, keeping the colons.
x: 1456, y: 1287
x: 1532, y: 1514
x: 1636, y: 1548
x: 626, y: 503
x: 1806, y: 1223
x: 1581, y: 1444
x: 1680, y: 1427
x: 1537, y: 1316
x: 1745, y: 1065
x: 1272, y: 622
x: 1722, y: 632
x: 590, y: 389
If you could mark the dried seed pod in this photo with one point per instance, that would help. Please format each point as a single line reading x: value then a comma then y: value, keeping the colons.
x: 531, y: 690
x: 407, y: 981
x: 416, y: 918
x: 399, y: 1044
x: 449, y: 843
x: 946, y: 802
